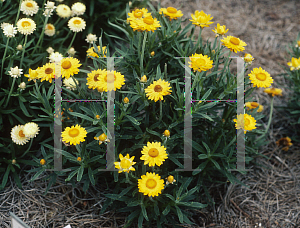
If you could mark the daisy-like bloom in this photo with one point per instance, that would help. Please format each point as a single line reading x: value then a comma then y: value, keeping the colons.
x: 286, y: 142
x: 49, y: 29
x: 273, y: 91
x: 74, y: 135
x: 9, y: 30
x: 253, y: 105
x: 31, y: 130
x: 170, y: 180
x: 220, y: 30
x: 93, y: 80
x: 50, y: 50
x: 233, y: 43
x: 248, y: 58
x: 55, y: 57
x: 158, y: 89
x: 42, y: 161
x: 111, y: 84
x: 171, y: 12
x: 18, y: 136
x: 33, y: 75
x: 248, y: 125
x: 200, y: 62
x: 78, y: 9
x: 76, y: 24
x: 70, y: 84
x: 29, y: 7
x: 90, y: 38
x: 26, y: 26
x: 151, y: 184
x: 69, y: 67
x: 15, y: 72
x: 146, y: 24
x: 166, y: 133
x: 102, y: 138
x: 50, y: 5
x: 154, y: 154
x: 63, y: 11
x: 138, y: 14
x: 125, y: 164
x: 201, y: 19
x: 260, y: 78
x: 294, y: 64
x: 3, y: 24
x: 46, y: 72
x: 92, y: 53
x: 144, y: 79
x: 71, y: 51
x: 22, y: 85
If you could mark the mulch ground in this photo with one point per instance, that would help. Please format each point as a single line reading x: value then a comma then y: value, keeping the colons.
x: 273, y: 197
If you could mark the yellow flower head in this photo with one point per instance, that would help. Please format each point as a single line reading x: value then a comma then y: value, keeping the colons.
x: 170, y: 180
x: 126, y: 100
x: 144, y: 79
x: 233, y: 43
x: 253, y: 105
x: 74, y: 135
x: 220, y: 30
x: 92, y: 53
x: 102, y: 138
x: 46, y: 72
x: 111, y: 80
x: 245, y: 122
x: 26, y: 26
x: 201, y: 19
x: 76, y: 24
x: 171, y: 12
x: 151, y: 184
x: 49, y: 29
x: 200, y: 62
x: 248, y: 58
x: 286, y: 142
x: 93, y: 79
x: 294, y: 64
x: 42, y: 162
x: 154, y: 154
x: 18, y: 136
x: 260, y: 78
x: 125, y: 164
x: 63, y: 11
x: 79, y: 159
x: 69, y: 67
x: 166, y: 133
x: 138, y: 14
x: 145, y: 24
x: 158, y: 89
x: 273, y: 91
x: 29, y: 7
x: 33, y: 74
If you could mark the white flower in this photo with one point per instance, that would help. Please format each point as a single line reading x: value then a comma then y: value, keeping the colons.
x: 50, y: 5
x: 76, y: 24
x: 91, y: 38
x: 31, y: 130
x: 70, y: 84
x: 50, y: 50
x: 9, y: 30
x: 48, y: 13
x: 18, y: 136
x: 55, y: 57
x: 22, y: 85
x: 78, y: 9
x: 15, y: 72
x: 3, y: 25
x: 71, y: 51
x: 29, y: 7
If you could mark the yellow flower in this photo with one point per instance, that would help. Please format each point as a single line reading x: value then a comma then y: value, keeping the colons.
x: 152, y: 53
x: 138, y: 14
x: 46, y: 72
x: 298, y: 44
x: 49, y: 30
x: 18, y: 136
x: 31, y: 130
x: 151, y: 184
x: 253, y: 105
x: 69, y: 67
x: 248, y: 58
x: 154, y: 154
x: 260, y: 78
x: 79, y: 159
x: 114, y: 84
x: 26, y: 26
x: 70, y: 84
x: 167, y: 133
x: 233, y: 43
x: 144, y: 79
x: 102, y: 138
x: 74, y: 135
x: 220, y: 30
x: 93, y: 79
x: 273, y: 91
x: 286, y: 141
x: 200, y: 62
x: 76, y: 24
x: 245, y: 122
x: 158, y: 89
x: 145, y: 24
x: 170, y: 179
x: 126, y: 100
x: 294, y: 64
x: 32, y: 75
x: 201, y: 19
x: 97, y: 117
x: 63, y: 11
x: 29, y: 7
x: 42, y: 162
x: 171, y: 12
x: 92, y: 53
x: 125, y: 164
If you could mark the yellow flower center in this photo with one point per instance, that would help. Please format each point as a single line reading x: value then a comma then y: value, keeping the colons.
x: 261, y: 76
x: 254, y: 104
x: 200, y: 62
x: 148, y: 20
x: 29, y: 4
x: 247, y: 122
x: 153, y: 152
x: 125, y: 163
x: 170, y: 179
x: 109, y: 81
x: 66, y: 64
x: 171, y: 10
x: 50, y: 27
x: 158, y: 88
x: 234, y: 41
x: 151, y: 183
x: 138, y: 13
x: 26, y: 24
x: 48, y: 70
x: 96, y: 77
x: 77, y: 22
x: 21, y: 134
x: 74, y: 132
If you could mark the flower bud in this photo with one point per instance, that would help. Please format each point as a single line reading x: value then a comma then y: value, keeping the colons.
x: 126, y: 100
x: 42, y: 162
x: 19, y: 47
x: 152, y: 53
x: 167, y: 133
x: 22, y: 85
x: 144, y: 78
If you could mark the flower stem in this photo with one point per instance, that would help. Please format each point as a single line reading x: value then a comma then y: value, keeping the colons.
x: 270, y: 119
x: 41, y: 36
x: 18, y: 14
x: 160, y: 109
x: 142, y: 54
x: 71, y: 42
x: 127, y: 178
x: 23, y: 52
x: 4, y: 56
x: 10, y: 92
x: 84, y: 65
x: 199, y: 38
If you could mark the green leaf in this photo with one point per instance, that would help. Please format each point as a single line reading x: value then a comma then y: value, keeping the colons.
x: 71, y: 175
x: 167, y: 210
x: 206, y: 147
x: 5, y: 177
x: 215, y: 163
x: 202, y: 156
x: 153, y: 132
x: 91, y: 176
x: 140, y: 220
x: 144, y: 212
x: 192, y: 204
x: 133, y: 120
x: 184, y: 186
x: 80, y: 173
x: 170, y: 197
x: 82, y: 116
x: 179, y: 213
x: 37, y: 174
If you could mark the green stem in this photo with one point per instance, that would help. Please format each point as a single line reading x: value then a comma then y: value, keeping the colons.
x: 84, y: 65
x: 4, y: 56
x: 142, y: 54
x: 269, y: 122
x: 127, y: 178
x: 10, y: 92
x: 23, y: 52
x: 71, y: 42
x: 199, y: 38
x: 160, y: 110
x: 18, y: 14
